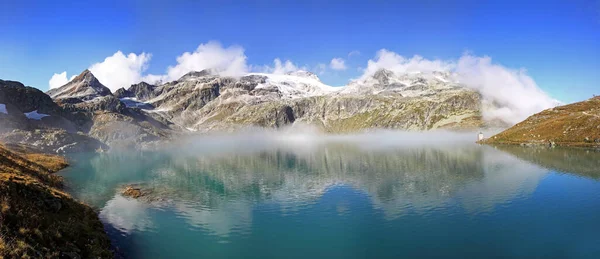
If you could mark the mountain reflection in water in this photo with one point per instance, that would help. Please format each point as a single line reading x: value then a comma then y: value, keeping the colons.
x: 233, y: 194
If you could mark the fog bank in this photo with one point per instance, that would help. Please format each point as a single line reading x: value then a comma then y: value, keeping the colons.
x: 302, y: 137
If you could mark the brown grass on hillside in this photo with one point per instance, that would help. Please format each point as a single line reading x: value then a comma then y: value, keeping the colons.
x: 576, y: 124
x: 37, y: 219
x: 52, y: 162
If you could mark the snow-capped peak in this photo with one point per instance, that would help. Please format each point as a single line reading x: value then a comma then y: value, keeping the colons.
x: 295, y: 84
x: 408, y: 83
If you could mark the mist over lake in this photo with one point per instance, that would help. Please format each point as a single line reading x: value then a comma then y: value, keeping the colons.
x: 385, y: 194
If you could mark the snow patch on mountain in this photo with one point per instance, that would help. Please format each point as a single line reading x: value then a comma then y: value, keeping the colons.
x: 34, y: 115
x: 295, y: 84
x: 132, y: 102
x: 408, y: 84
x: 3, y: 108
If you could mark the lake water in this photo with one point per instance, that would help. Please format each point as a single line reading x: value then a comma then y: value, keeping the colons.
x: 261, y: 196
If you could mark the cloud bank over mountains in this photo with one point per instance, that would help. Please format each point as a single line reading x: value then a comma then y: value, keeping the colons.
x: 58, y: 80
x: 338, y: 64
x: 511, y: 93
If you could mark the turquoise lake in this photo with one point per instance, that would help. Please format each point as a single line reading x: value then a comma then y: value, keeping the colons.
x: 269, y: 197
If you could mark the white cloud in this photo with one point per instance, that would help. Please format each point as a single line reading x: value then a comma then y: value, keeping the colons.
x: 512, y: 93
x: 508, y: 94
x: 353, y: 53
x: 119, y: 70
x: 337, y: 64
x: 59, y: 80
x: 280, y: 67
x: 398, y: 64
x: 154, y: 79
x: 320, y: 69
x: 230, y: 61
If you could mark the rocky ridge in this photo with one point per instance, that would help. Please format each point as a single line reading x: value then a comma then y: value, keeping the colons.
x: 82, y: 88
x: 85, y: 115
x: 208, y: 102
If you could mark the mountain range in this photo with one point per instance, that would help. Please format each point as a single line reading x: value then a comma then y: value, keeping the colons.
x: 85, y: 115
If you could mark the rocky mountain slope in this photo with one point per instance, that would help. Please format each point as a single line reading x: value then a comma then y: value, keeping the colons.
x: 84, y: 87
x: 576, y: 124
x: 85, y: 115
x: 203, y: 101
x: 38, y: 219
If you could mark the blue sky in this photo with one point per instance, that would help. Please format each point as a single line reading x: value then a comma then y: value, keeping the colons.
x: 557, y: 42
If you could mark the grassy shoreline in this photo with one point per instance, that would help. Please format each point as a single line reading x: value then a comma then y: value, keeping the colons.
x: 571, y: 125
x: 37, y: 218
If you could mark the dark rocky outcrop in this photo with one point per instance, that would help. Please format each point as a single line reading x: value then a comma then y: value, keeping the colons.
x: 26, y: 99
x: 141, y: 91
x: 19, y: 100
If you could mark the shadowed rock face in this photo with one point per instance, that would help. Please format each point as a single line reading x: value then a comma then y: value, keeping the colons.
x: 20, y: 100
x: 142, y: 91
x: 26, y: 99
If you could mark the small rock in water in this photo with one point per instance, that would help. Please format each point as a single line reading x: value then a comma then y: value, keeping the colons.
x: 133, y: 192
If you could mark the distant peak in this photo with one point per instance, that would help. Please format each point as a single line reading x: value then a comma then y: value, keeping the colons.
x: 86, y: 75
x: 194, y: 74
x: 86, y: 72
x: 383, y: 76
x: 143, y: 83
x: 382, y: 72
x: 84, y: 86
